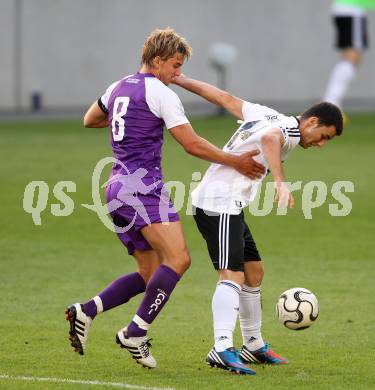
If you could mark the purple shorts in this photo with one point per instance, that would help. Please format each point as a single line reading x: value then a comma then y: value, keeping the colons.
x: 131, y: 211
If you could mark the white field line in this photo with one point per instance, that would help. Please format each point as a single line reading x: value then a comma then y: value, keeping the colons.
x: 82, y: 382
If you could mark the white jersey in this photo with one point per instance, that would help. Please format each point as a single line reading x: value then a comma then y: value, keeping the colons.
x: 223, y: 189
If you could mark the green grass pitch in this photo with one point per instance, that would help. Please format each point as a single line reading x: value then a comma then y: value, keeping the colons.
x: 69, y: 259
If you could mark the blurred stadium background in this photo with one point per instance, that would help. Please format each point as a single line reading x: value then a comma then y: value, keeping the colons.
x: 68, y: 51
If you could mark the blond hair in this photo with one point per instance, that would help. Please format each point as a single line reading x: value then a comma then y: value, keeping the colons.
x: 165, y: 44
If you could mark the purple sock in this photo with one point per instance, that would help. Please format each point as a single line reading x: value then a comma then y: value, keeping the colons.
x: 158, y: 290
x: 117, y: 293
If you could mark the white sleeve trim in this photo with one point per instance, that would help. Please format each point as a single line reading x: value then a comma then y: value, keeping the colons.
x: 107, y: 94
x: 164, y: 103
x: 105, y: 97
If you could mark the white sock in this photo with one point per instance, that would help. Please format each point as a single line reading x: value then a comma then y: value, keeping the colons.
x: 99, y: 304
x: 341, y: 76
x: 225, y: 306
x: 251, y: 317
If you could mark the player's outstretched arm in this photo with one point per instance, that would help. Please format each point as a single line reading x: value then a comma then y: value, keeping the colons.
x: 271, y: 143
x: 201, y: 148
x: 212, y: 94
x: 95, y: 117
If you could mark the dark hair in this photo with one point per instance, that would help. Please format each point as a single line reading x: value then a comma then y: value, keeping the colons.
x: 328, y: 115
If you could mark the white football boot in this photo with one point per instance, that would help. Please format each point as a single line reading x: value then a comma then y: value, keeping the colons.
x: 80, y: 324
x: 139, y: 347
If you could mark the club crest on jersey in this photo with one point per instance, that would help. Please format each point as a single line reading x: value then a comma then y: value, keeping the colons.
x: 244, y: 129
x: 245, y: 135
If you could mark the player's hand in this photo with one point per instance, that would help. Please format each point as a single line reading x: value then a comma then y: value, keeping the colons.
x: 178, y: 80
x: 248, y: 166
x: 283, y: 196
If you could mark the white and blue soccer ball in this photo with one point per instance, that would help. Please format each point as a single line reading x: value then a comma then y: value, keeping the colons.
x: 297, y: 308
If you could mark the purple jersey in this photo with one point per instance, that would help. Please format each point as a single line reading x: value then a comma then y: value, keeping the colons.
x: 139, y: 106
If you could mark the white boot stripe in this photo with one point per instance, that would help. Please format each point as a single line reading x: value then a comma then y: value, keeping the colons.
x: 214, y: 359
x: 217, y: 357
x: 137, y: 347
x: 248, y: 355
x: 211, y: 356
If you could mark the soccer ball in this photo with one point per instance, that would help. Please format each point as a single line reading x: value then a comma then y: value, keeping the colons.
x: 297, y: 308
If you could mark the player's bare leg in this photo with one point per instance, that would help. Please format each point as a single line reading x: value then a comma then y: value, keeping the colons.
x: 120, y: 291
x: 169, y: 243
x: 147, y: 263
x: 353, y: 55
x: 254, y: 272
x: 168, y: 240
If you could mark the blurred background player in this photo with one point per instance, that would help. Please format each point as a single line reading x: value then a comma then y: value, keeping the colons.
x: 350, y: 20
x: 219, y: 201
x: 137, y: 108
